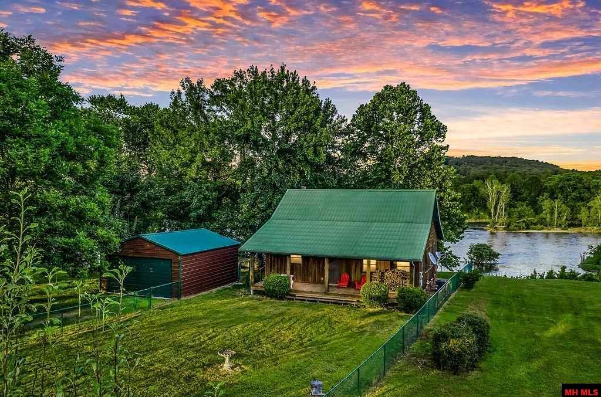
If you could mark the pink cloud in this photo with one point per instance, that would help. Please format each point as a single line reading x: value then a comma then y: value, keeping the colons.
x: 30, y: 9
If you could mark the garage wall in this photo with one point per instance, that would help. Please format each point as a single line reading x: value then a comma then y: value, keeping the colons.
x: 209, y: 269
x: 141, y: 248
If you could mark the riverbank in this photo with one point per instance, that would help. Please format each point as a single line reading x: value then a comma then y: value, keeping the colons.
x: 483, y: 226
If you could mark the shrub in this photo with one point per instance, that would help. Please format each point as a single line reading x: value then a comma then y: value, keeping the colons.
x: 410, y: 299
x: 374, y: 294
x: 483, y: 256
x: 277, y: 286
x: 469, y: 280
x: 481, y: 328
x: 454, y: 348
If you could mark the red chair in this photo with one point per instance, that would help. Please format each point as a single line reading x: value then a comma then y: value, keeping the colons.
x: 344, y: 280
x: 360, y: 283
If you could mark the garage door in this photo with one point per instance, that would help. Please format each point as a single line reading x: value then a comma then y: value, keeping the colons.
x: 148, y: 272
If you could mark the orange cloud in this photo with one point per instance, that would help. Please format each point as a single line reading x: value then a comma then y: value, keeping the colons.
x: 34, y: 10
x: 537, y: 7
x: 581, y: 165
x: 221, y: 9
x: 276, y: 19
x: 126, y: 12
x: 5, y: 13
x: 89, y: 23
x: 146, y: 3
x: 373, y: 9
x: 435, y: 10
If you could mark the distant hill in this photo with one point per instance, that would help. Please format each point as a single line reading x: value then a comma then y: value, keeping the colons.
x: 475, y: 166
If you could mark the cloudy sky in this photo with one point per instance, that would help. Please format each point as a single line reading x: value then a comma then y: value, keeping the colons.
x: 508, y: 77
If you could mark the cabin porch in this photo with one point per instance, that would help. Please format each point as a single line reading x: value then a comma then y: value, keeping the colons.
x: 319, y: 278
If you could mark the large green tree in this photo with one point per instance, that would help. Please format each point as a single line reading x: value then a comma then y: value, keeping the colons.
x: 281, y: 135
x: 62, y: 153
x: 395, y: 141
x: 136, y: 197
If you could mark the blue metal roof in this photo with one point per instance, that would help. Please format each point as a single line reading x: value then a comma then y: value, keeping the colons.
x: 185, y: 242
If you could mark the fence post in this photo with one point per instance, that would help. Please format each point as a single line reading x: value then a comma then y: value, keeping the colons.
x: 403, y: 339
x: 384, y: 370
x: 136, y: 301
x: 150, y: 299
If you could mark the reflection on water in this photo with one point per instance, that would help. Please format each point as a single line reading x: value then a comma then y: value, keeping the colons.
x: 521, y: 253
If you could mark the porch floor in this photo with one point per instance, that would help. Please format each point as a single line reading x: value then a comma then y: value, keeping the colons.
x: 316, y: 293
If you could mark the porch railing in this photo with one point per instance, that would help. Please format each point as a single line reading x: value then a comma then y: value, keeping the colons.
x: 373, y: 368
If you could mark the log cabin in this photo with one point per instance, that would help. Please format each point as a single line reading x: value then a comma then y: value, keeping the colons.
x: 322, y: 238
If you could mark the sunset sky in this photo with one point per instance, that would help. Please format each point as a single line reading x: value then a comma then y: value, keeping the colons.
x: 512, y: 78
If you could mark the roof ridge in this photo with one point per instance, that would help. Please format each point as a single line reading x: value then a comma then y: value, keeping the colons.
x: 177, y: 231
x: 333, y: 220
x: 363, y: 190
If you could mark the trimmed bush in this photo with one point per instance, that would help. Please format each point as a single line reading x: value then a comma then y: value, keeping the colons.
x: 374, y: 294
x: 481, y: 328
x: 469, y: 280
x: 454, y: 348
x: 410, y: 299
x: 276, y: 286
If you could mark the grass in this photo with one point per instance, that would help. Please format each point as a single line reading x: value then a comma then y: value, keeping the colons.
x: 543, y: 333
x: 280, y: 345
x: 445, y: 275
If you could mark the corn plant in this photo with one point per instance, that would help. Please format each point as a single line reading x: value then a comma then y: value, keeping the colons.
x: 18, y: 261
x: 80, y: 288
x: 119, y: 274
x: 103, y: 306
x: 216, y: 390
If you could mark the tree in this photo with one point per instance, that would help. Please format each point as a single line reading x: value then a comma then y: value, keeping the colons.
x: 483, y: 255
x: 62, y: 153
x: 585, y: 216
x: 133, y: 190
x: 595, y: 212
x: 280, y: 135
x: 497, y: 199
x: 395, y: 141
x: 448, y: 259
x: 555, y: 212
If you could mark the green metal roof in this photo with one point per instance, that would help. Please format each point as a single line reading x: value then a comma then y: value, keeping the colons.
x: 349, y: 223
x: 191, y: 241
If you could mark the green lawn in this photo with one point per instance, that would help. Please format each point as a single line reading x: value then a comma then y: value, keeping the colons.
x: 543, y: 333
x: 280, y: 345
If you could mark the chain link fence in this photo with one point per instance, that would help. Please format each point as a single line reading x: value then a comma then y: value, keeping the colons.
x: 373, y: 369
x: 90, y: 308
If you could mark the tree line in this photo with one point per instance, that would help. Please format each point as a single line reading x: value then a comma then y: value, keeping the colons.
x: 218, y: 156
x: 520, y: 198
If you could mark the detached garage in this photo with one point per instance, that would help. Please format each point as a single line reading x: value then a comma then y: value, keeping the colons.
x: 198, y: 258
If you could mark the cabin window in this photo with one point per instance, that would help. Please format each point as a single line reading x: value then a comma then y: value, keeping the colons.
x: 371, y: 263
x: 296, y: 259
x: 405, y: 266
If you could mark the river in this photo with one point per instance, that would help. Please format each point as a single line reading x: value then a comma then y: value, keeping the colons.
x: 523, y: 252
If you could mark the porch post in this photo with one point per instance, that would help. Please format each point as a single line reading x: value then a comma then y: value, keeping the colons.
x: 326, y: 274
x: 251, y: 272
x: 288, y: 265
x: 368, y: 273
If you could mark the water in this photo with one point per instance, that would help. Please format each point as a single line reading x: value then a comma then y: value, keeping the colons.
x: 521, y: 253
